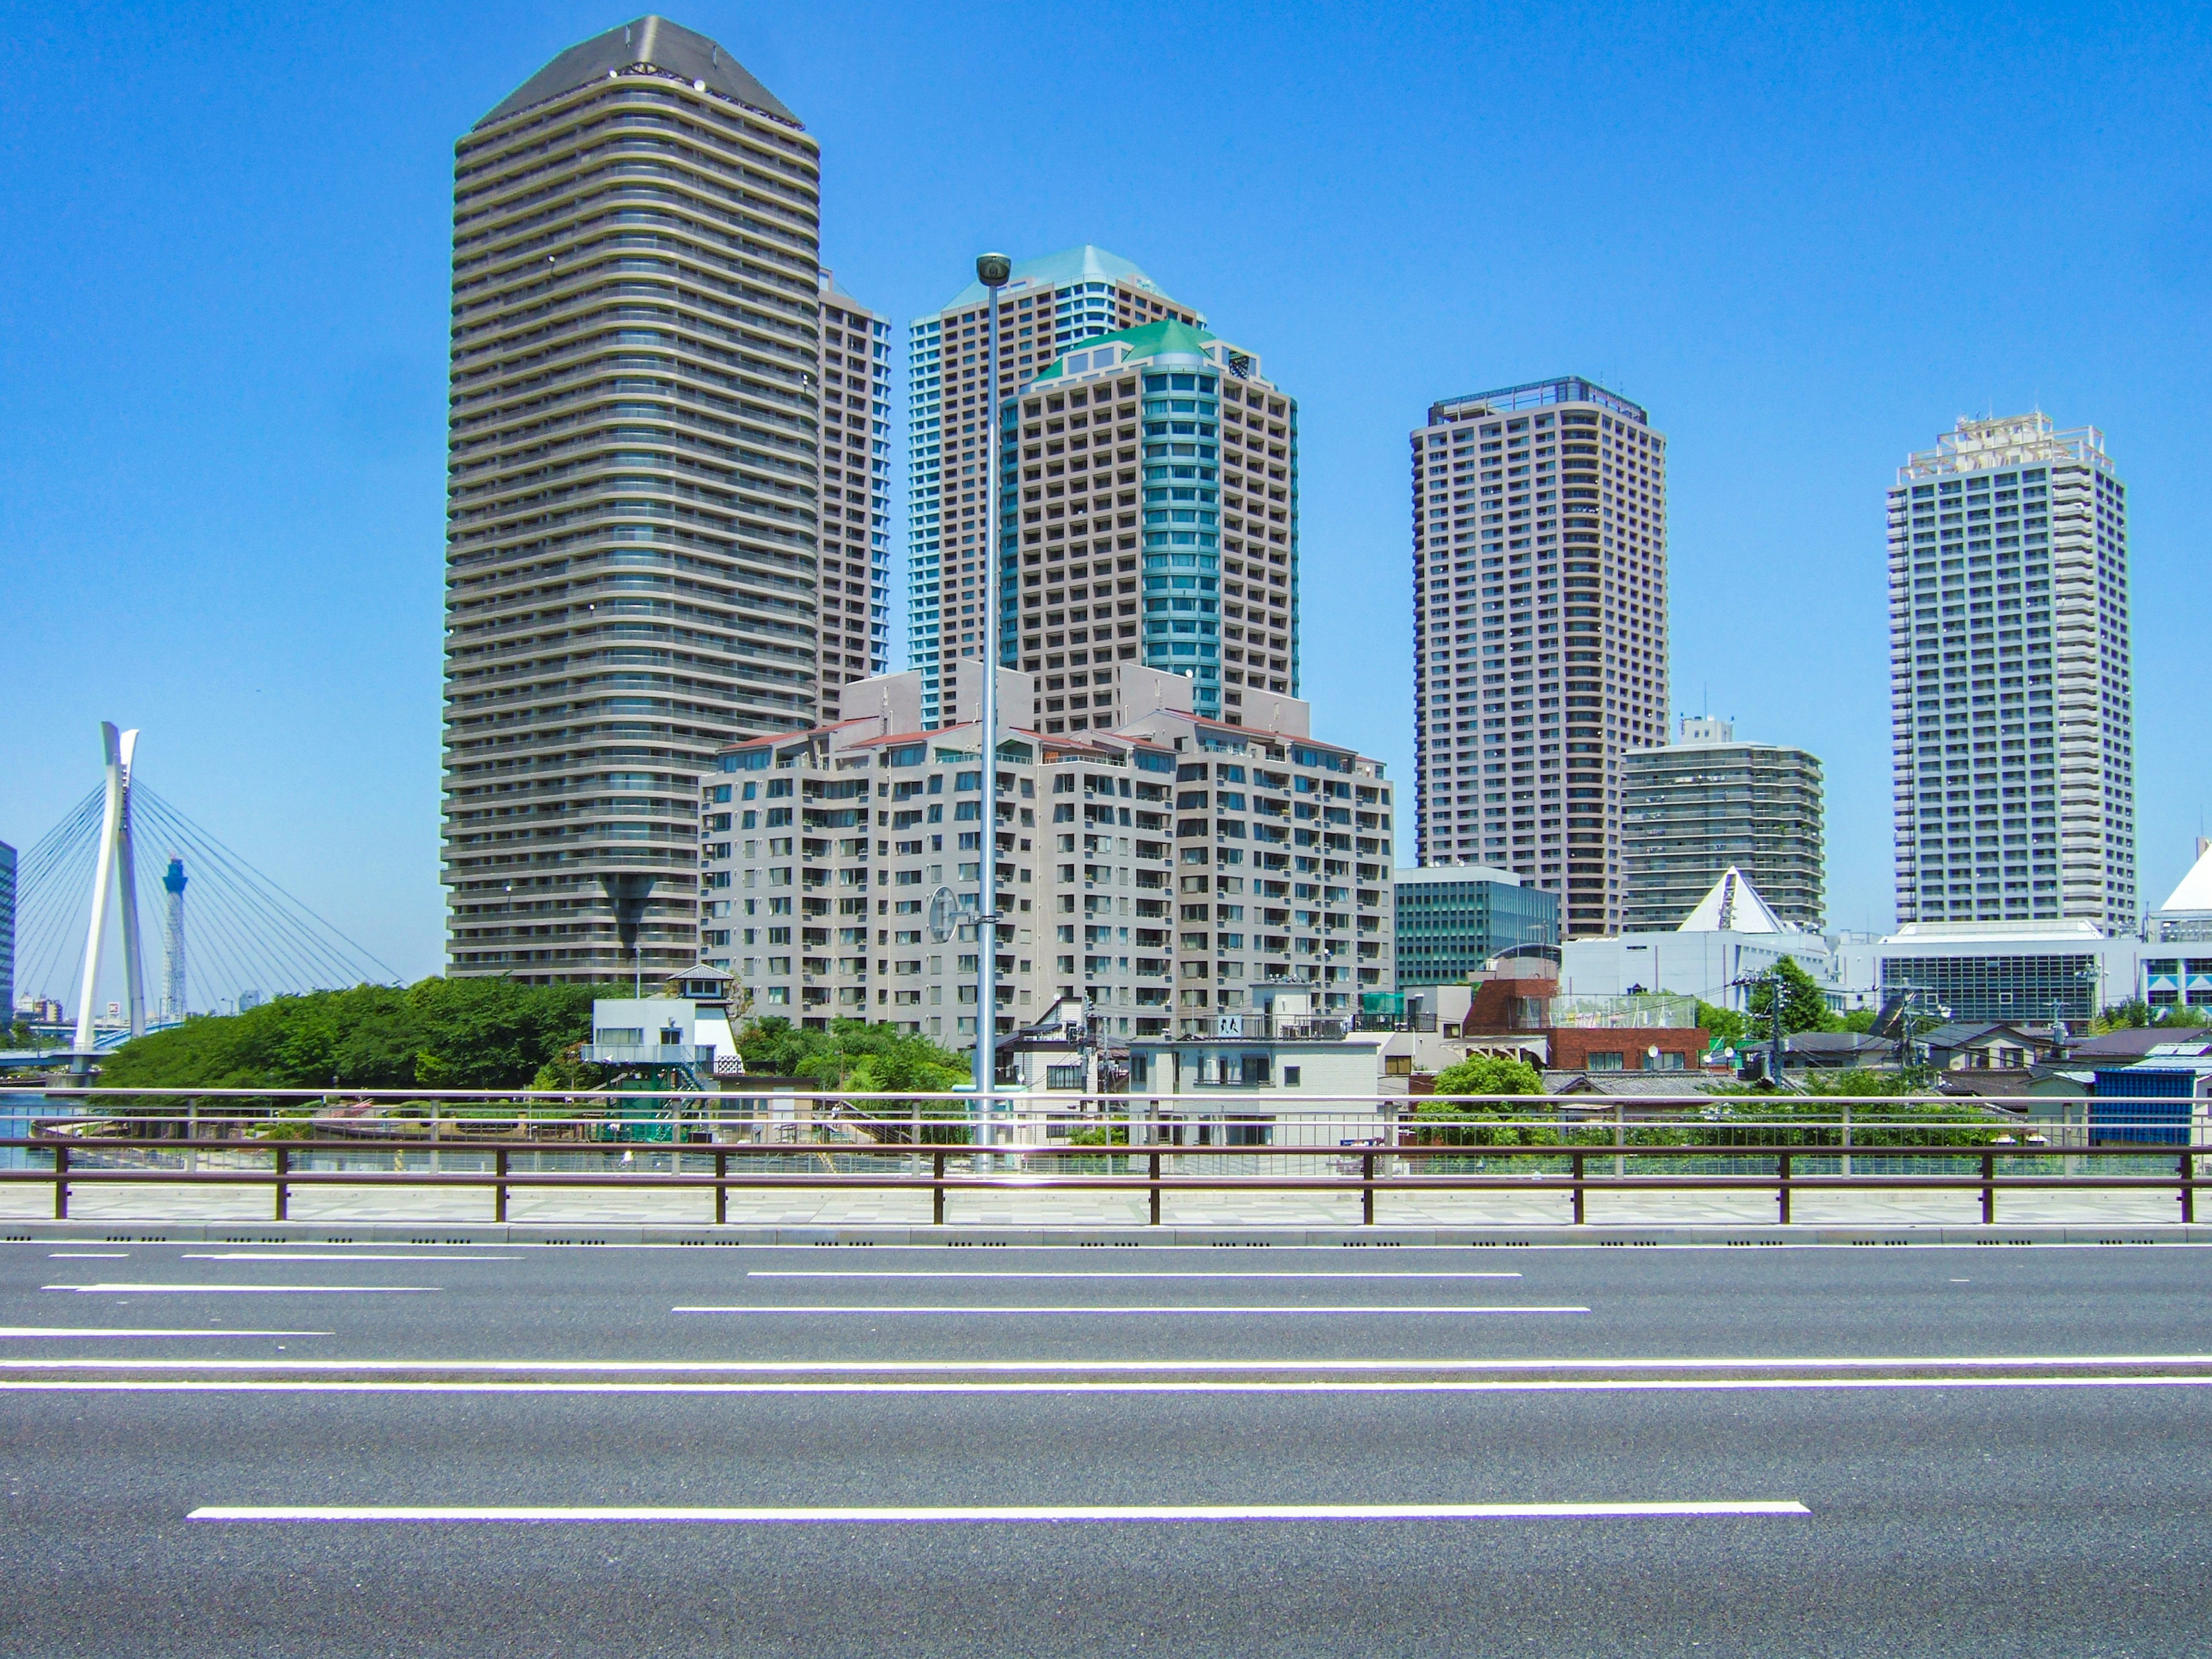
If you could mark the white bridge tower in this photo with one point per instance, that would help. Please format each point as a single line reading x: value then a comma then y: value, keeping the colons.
x: 114, y: 872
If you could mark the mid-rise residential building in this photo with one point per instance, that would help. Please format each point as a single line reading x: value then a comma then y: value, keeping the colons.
x: 636, y: 556
x: 2012, y: 721
x: 1448, y: 920
x: 1706, y: 802
x: 1151, y: 488
x: 1164, y: 871
x: 1540, y: 643
x: 1048, y: 307
x: 855, y: 493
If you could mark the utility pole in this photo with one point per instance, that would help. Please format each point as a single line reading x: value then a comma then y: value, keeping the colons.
x: 992, y: 270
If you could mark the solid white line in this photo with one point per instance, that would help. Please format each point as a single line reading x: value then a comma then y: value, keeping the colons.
x: 87, y: 1256
x: 930, y: 1272
x: 108, y: 1331
x: 1146, y: 1312
x: 1001, y: 1515
x: 1132, y: 1386
x: 335, y: 1260
x: 925, y: 1273
x: 1034, y: 1367
x: 237, y: 1289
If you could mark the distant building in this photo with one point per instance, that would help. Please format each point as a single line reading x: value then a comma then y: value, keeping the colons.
x: 2178, y: 956
x: 1731, y: 935
x: 856, y: 491
x: 1705, y: 802
x: 1539, y: 632
x: 7, y: 925
x: 1048, y: 306
x: 1449, y: 920
x: 2011, y: 716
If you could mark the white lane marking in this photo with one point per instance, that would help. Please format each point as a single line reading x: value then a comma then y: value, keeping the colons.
x: 88, y: 1255
x: 1132, y: 1312
x: 926, y: 1273
x: 239, y: 1290
x: 932, y: 1273
x: 1002, y: 1514
x: 186, y: 1385
x: 1026, y: 1367
x: 335, y: 1260
x: 121, y: 1331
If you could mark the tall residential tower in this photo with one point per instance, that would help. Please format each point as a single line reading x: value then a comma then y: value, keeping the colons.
x: 1048, y: 307
x: 1539, y: 633
x: 2012, y: 723
x: 1150, y: 516
x: 634, y: 546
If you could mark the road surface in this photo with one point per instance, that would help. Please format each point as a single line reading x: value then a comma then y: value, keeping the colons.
x: 286, y: 1449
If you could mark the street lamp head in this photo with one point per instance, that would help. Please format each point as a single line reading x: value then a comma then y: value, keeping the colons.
x: 992, y: 270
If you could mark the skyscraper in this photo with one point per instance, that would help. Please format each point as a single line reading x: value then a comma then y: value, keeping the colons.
x: 1540, y: 643
x: 1150, y: 516
x: 856, y: 492
x: 2012, y: 726
x: 1693, y: 808
x: 634, y: 544
x: 1046, y: 306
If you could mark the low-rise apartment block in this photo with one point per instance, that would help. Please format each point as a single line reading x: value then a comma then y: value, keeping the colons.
x: 1164, y: 872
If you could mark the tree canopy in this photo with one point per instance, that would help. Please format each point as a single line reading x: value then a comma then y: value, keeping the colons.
x: 434, y: 1034
x: 1803, y: 1007
x: 853, y: 1054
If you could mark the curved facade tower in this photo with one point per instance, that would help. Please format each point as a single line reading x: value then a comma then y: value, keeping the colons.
x: 635, y: 542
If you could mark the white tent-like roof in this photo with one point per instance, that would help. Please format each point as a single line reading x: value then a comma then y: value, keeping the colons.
x: 1734, y: 906
x: 2195, y: 892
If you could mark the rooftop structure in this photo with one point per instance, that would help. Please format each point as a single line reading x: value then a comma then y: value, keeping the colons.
x: 1539, y: 649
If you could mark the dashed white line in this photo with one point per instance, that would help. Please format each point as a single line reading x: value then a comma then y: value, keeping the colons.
x: 1370, y: 1310
x: 241, y: 1290
x: 995, y: 1515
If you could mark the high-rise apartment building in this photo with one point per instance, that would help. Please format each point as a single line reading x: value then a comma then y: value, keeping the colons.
x: 856, y: 492
x: 1540, y: 642
x: 635, y: 552
x: 1047, y: 307
x: 2011, y: 714
x: 1150, y: 504
x: 1693, y: 808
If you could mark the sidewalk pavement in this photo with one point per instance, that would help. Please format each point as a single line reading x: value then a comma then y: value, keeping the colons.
x: 90, y: 1200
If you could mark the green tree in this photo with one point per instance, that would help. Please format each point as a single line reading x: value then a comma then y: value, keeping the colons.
x: 2121, y: 1016
x: 459, y: 1034
x: 1803, y: 1007
x: 1860, y: 1020
x: 1489, y: 1074
x: 1724, y: 1025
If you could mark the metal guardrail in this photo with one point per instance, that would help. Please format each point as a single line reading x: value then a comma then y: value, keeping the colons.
x: 1148, y: 1146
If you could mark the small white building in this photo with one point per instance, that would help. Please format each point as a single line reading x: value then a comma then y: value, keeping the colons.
x: 687, y: 1025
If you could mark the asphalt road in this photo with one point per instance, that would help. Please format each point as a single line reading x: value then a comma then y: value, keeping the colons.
x: 989, y: 1451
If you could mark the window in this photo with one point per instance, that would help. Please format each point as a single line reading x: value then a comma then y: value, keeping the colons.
x: 1609, y: 1060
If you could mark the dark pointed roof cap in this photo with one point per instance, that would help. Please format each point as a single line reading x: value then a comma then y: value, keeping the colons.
x: 648, y: 40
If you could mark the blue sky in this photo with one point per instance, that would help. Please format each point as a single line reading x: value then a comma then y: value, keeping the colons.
x: 1806, y: 241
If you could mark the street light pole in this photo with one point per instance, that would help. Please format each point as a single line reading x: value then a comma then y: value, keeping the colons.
x: 992, y: 270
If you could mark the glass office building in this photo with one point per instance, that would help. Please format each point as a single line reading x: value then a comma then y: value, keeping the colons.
x: 1451, y: 920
